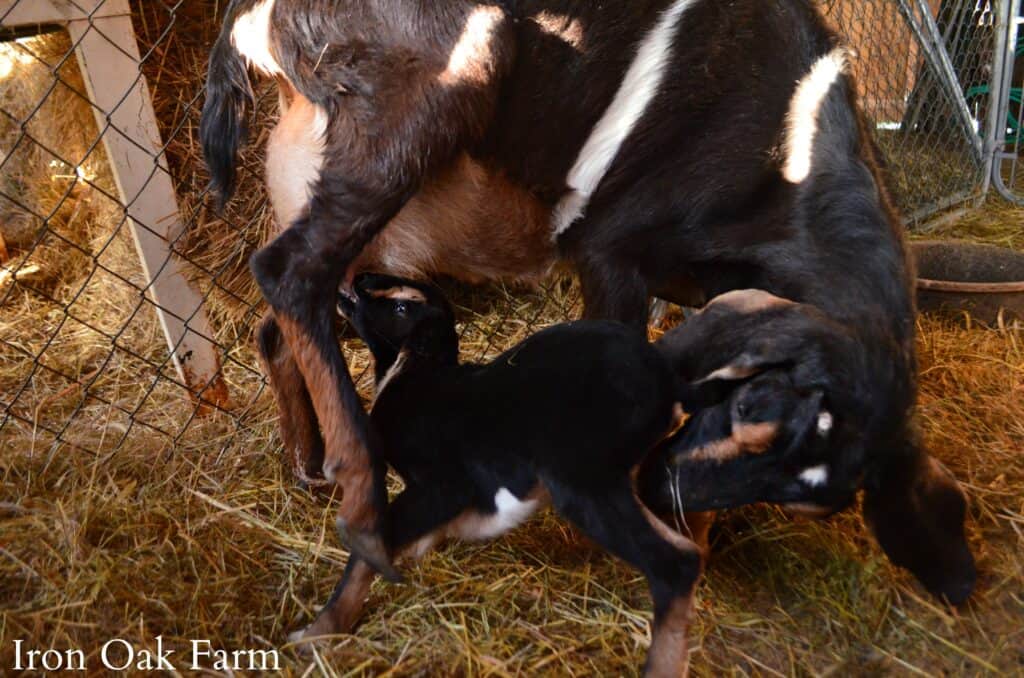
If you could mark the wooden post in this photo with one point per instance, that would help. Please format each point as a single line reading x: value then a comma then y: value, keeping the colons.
x: 108, y: 54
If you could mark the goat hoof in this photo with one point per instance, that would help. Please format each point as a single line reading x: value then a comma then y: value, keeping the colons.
x: 330, y: 471
x: 368, y: 546
x: 311, y: 482
x: 305, y: 638
x: 298, y: 639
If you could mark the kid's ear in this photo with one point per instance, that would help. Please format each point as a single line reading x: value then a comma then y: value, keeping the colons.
x: 916, y: 509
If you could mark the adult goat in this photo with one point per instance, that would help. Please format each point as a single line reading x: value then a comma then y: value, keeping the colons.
x: 680, y: 148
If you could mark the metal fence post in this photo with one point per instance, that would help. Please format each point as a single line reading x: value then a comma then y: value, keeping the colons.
x: 1003, y: 83
x: 999, y: 65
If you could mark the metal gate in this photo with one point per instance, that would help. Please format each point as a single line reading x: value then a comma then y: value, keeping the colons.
x: 935, y: 80
x: 1007, y: 173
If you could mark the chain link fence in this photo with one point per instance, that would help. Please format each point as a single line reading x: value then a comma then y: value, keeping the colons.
x: 926, y: 103
x: 126, y: 308
x: 103, y: 300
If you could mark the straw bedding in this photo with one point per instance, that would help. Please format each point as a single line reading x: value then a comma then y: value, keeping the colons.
x: 144, y: 520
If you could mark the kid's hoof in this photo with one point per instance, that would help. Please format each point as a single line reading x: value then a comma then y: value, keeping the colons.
x: 312, y: 483
x: 368, y: 546
x: 298, y: 639
x: 305, y: 638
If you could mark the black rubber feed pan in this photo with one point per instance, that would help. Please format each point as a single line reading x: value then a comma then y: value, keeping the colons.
x: 982, y: 280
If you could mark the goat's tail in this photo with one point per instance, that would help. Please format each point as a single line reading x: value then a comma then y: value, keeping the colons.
x: 222, y: 128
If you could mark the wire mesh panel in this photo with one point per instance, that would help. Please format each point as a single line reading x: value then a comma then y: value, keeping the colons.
x: 82, y: 352
x: 926, y: 100
x: 84, y: 359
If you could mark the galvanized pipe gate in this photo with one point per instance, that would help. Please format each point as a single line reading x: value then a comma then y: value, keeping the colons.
x: 1004, y: 142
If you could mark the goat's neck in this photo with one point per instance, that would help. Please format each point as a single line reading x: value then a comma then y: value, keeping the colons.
x: 433, y: 344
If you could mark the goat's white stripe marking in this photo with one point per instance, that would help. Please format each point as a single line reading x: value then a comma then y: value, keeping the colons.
x: 815, y: 476
x: 638, y: 89
x: 471, y: 61
x: 561, y: 26
x: 804, y: 108
x: 251, y: 37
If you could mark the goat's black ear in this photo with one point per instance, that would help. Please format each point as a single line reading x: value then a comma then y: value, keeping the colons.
x: 725, y: 344
x: 916, y: 509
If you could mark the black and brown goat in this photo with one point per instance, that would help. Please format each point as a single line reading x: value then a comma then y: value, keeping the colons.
x: 678, y: 148
x: 566, y: 416
x: 766, y: 428
x: 759, y: 420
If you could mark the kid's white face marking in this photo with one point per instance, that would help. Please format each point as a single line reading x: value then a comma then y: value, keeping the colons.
x: 251, y: 37
x: 638, y: 89
x: 815, y: 476
x: 804, y: 108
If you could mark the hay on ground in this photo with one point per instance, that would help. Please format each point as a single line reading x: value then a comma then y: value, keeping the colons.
x: 140, y: 520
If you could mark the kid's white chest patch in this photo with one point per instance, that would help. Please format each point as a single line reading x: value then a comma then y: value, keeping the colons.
x: 511, y: 513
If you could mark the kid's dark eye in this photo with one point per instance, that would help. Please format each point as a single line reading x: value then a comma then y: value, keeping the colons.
x: 401, y: 308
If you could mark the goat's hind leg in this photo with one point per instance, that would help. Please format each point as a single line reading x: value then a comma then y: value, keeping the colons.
x: 394, y: 114
x: 303, y: 310
x: 345, y: 605
x: 612, y: 516
x: 417, y: 520
x: 300, y: 431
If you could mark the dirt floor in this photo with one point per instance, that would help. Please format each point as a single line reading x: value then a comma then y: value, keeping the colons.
x: 123, y: 515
